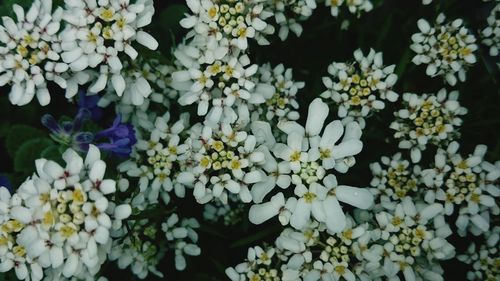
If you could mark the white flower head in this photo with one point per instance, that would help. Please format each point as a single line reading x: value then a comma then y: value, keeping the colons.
x: 279, y: 90
x: 97, y: 33
x: 29, y: 53
x: 427, y: 119
x: 491, y: 33
x: 62, y: 221
x: 413, y: 235
x: 394, y: 178
x: 360, y: 88
x: 223, y: 160
x: 157, y: 159
x: 467, y: 186
x: 304, y: 164
x: 447, y: 48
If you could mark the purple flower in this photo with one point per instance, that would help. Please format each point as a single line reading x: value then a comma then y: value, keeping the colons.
x: 4, y: 182
x: 69, y: 132
x: 89, y: 102
x: 121, y: 138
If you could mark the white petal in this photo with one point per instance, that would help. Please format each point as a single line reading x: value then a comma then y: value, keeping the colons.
x: 358, y: 197
x: 318, y: 111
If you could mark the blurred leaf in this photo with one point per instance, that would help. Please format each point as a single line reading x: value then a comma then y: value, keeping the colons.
x: 6, y: 7
x: 28, y: 152
x: 18, y: 134
x: 212, y: 230
x: 256, y: 237
x: 52, y: 152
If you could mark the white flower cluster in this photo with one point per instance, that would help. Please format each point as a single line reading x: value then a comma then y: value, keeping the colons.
x: 311, y: 254
x: 304, y: 164
x: 97, y: 33
x: 405, y: 243
x: 141, y: 251
x: 447, y: 48
x: 360, y: 88
x: 281, y: 104
x: 222, y: 160
x: 355, y: 6
x: 151, y: 233
x: 394, y: 179
x: 58, y: 222
x: 36, y: 49
x: 415, y: 241
x: 138, y: 250
x: 485, y: 258
x: 156, y: 162
x: 491, y: 33
x: 30, y: 53
x: 465, y: 186
x: 149, y: 87
x: 427, y: 119
x: 289, y: 14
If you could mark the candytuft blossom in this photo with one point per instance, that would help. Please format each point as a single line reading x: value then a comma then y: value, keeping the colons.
x: 58, y: 222
x: 30, y: 53
x: 447, y: 48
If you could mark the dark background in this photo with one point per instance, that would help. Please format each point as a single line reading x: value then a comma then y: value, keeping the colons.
x: 387, y: 28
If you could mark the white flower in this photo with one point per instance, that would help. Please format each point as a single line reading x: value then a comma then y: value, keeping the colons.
x: 98, y: 32
x: 218, y: 81
x: 310, y: 254
x: 446, y: 48
x: 360, y: 88
x: 414, y: 235
x: 354, y: 6
x: 289, y: 14
x: 29, y: 53
x: 234, y: 21
x: 491, y: 33
x: 148, y: 85
x: 223, y: 160
x: 427, y: 119
x: 484, y: 258
x: 62, y: 219
x: 279, y: 91
x: 155, y: 160
x: 394, y: 178
x: 467, y: 186
x: 305, y: 161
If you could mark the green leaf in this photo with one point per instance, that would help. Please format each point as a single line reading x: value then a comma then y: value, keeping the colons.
x: 18, y: 134
x: 52, y: 152
x: 28, y: 152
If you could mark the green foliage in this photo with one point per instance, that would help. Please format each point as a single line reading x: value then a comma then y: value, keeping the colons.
x: 28, y: 152
x: 18, y: 135
x: 6, y: 6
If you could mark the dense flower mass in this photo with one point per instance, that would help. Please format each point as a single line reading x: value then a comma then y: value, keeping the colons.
x: 467, y: 186
x: 360, y: 88
x: 305, y: 164
x: 427, y: 119
x: 177, y: 132
x: 30, y: 53
x: 59, y: 220
x: 447, y: 48
x: 394, y: 178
